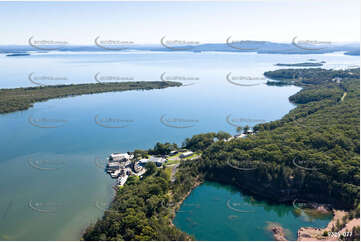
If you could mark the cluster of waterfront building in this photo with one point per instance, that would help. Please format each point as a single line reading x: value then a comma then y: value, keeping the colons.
x: 122, y: 165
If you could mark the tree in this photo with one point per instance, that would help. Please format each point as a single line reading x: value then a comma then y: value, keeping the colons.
x: 239, y: 129
x: 221, y: 135
x: 245, y: 129
x: 140, y: 154
x: 162, y: 149
x: 151, y: 168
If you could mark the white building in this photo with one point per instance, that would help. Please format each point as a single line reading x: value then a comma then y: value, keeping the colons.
x: 186, y: 154
x: 120, y: 157
x: 157, y: 160
x: 143, y: 161
x: 137, y: 167
x: 112, y: 166
x: 121, y: 180
x: 173, y: 152
x: 249, y: 131
x: 115, y: 173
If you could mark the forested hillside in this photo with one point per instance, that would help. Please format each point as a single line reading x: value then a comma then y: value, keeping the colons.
x: 312, y: 153
x: 143, y: 209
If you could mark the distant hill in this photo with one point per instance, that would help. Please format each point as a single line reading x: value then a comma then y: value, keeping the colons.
x: 353, y: 52
x: 238, y: 46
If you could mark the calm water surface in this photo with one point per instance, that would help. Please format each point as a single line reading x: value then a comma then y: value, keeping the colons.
x: 212, y: 212
x: 52, y: 181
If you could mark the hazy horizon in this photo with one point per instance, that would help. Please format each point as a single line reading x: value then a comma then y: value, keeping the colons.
x: 79, y: 23
x: 158, y: 44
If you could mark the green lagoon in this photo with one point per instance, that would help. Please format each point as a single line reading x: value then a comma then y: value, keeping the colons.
x: 221, y: 212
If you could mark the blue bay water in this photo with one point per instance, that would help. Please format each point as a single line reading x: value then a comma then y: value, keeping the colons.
x: 52, y: 182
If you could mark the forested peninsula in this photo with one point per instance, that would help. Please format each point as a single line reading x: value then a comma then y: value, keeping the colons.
x: 16, y: 99
x: 310, y: 154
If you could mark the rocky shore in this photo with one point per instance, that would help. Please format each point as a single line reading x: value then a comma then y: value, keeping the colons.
x: 327, y: 234
x: 277, y: 230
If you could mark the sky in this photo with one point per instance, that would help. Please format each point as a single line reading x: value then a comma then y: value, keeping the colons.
x: 79, y: 23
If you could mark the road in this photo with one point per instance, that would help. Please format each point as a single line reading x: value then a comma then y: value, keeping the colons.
x: 174, y: 170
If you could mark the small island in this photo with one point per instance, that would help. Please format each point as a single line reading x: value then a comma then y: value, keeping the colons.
x: 304, y: 64
x: 279, y: 233
x: 17, y: 54
x: 16, y: 99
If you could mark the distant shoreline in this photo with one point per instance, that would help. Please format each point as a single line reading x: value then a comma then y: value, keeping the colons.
x: 304, y: 64
x: 229, y: 45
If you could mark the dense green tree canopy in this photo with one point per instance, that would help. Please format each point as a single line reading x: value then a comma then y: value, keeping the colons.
x: 15, y: 99
x: 312, y: 153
